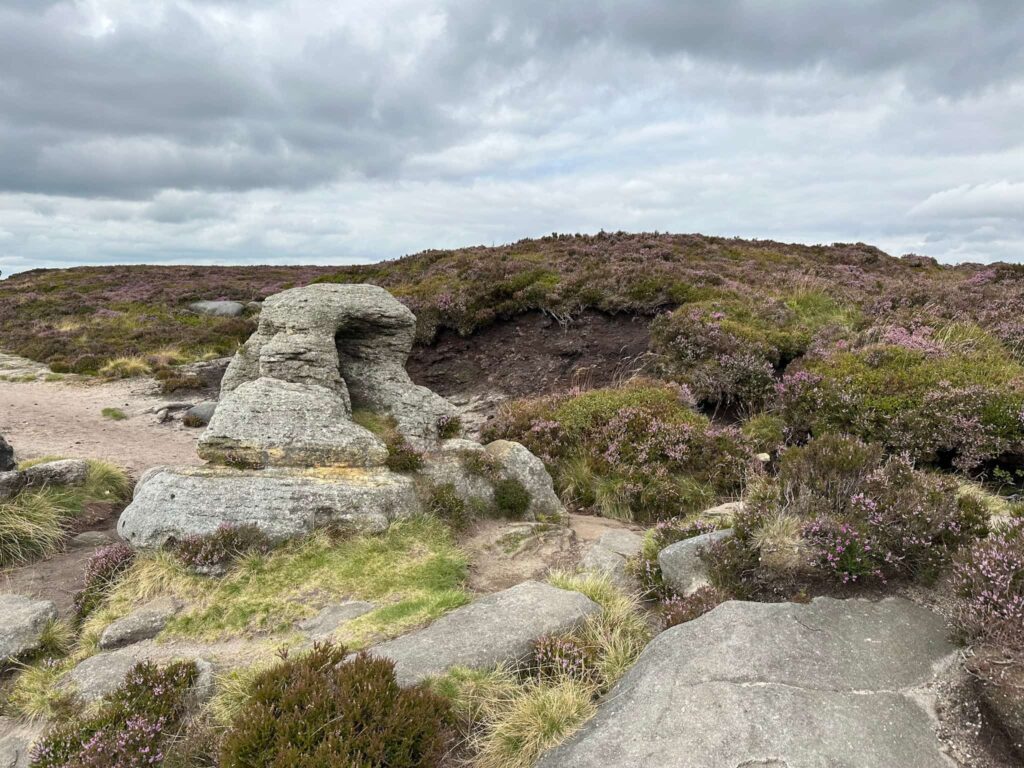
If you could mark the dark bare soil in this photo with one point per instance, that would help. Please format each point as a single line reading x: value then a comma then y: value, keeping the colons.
x: 534, y: 354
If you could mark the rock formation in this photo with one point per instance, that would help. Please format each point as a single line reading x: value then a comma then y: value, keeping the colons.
x: 7, y: 462
x: 284, y: 452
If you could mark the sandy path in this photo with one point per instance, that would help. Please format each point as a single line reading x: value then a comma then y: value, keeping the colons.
x: 64, y: 418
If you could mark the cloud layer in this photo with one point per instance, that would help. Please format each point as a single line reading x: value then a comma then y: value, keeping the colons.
x: 305, y: 131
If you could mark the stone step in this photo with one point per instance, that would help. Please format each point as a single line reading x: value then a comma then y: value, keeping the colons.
x: 496, y: 629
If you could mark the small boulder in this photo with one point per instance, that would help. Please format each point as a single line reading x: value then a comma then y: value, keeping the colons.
x: 7, y: 462
x: 501, y: 627
x: 141, y: 624
x: 101, y: 674
x: 218, y: 308
x: 10, y: 483
x: 64, y: 472
x: 517, y: 463
x: 22, y: 623
x: 199, y: 415
x: 681, y: 566
x: 333, y: 616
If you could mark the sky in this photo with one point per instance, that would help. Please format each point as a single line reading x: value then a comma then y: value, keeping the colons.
x: 310, y: 131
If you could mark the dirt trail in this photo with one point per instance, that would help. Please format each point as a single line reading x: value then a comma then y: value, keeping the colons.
x: 65, y: 418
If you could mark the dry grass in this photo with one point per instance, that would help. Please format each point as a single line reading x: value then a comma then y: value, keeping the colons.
x: 125, y: 368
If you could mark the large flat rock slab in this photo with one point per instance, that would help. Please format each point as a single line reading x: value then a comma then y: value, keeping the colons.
x: 830, y: 684
x: 498, y: 628
x: 22, y: 623
x: 283, y: 503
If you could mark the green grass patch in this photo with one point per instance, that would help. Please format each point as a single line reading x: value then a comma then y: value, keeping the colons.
x: 34, y: 523
x: 114, y: 414
x: 414, y: 573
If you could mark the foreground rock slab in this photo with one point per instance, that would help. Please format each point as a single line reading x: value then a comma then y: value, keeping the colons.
x: 16, y: 740
x: 172, y: 503
x: 831, y: 684
x: 498, y: 628
x: 22, y: 623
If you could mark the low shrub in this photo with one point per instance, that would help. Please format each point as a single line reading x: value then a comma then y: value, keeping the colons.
x: 102, y: 572
x: 727, y: 349
x: 677, y: 610
x: 173, y: 381
x: 989, y: 578
x: 841, y: 512
x: 322, y: 709
x: 445, y: 503
x: 402, y: 457
x: 449, y: 427
x: 635, y: 452
x: 222, y: 547
x: 957, y: 406
x: 130, y: 726
x: 511, y: 498
x: 557, y: 656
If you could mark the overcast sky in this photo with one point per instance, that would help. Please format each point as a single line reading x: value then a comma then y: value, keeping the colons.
x: 311, y: 131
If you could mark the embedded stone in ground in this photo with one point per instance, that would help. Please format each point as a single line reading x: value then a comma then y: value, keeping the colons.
x: 603, y: 561
x: 22, y: 623
x: 333, y: 616
x: 218, y: 308
x: 101, y: 674
x: 7, y: 462
x: 283, y: 503
x: 681, y: 566
x: 501, y: 627
x: 830, y: 683
x: 622, y: 542
x: 141, y: 624
x: 62, y: 472
x: 16, y: 740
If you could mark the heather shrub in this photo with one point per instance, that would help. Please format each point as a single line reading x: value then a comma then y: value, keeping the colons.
x: 449, y: 427
x: 445, y: 503
x: 102, y: 572
x: 839, y: 512
x: 130, y: 727
x: 638, y: 451
x: 727, y: 350
x: 511, y: 499
x: 960, y: 406
x: 219, y: 549
x: 677, y: 610
x: 556, y: 656
x: 321, y: 710
x: 989, y: 578
x: 402, y: 457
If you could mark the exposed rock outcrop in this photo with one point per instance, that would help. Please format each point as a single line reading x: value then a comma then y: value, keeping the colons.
x: 835, y: 682
x: 285, y: 453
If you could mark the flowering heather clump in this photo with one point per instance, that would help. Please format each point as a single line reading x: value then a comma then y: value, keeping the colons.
x: 634, y: 452
x: 677, y: 610
x: 101, y: 573
x: 989, y: 578
x: 225, y: 545
x: 840, y: 550
x: 130, y: 726
x: 556, y: 656
x: 960, y: 407
x: 322, y: 709
x: 448, y: 427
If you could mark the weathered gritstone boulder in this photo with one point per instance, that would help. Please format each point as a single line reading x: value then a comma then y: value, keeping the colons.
x: 269, y: 422
x: 474, y: 481
x: 62, y: 472
x: 22, y: 623
x: 353, y: 339
x: 289, y: 456
x: 16, y: 740
x: 681, y: 566
x: 10, y: 483
x: 834, y: 683
x: 501, y: 627
x: 283, y: 503
x: 200, y: 414
x: 609, y: 554
x: 333, y: 616
x: 101, y: 674
x: 7, y: 462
